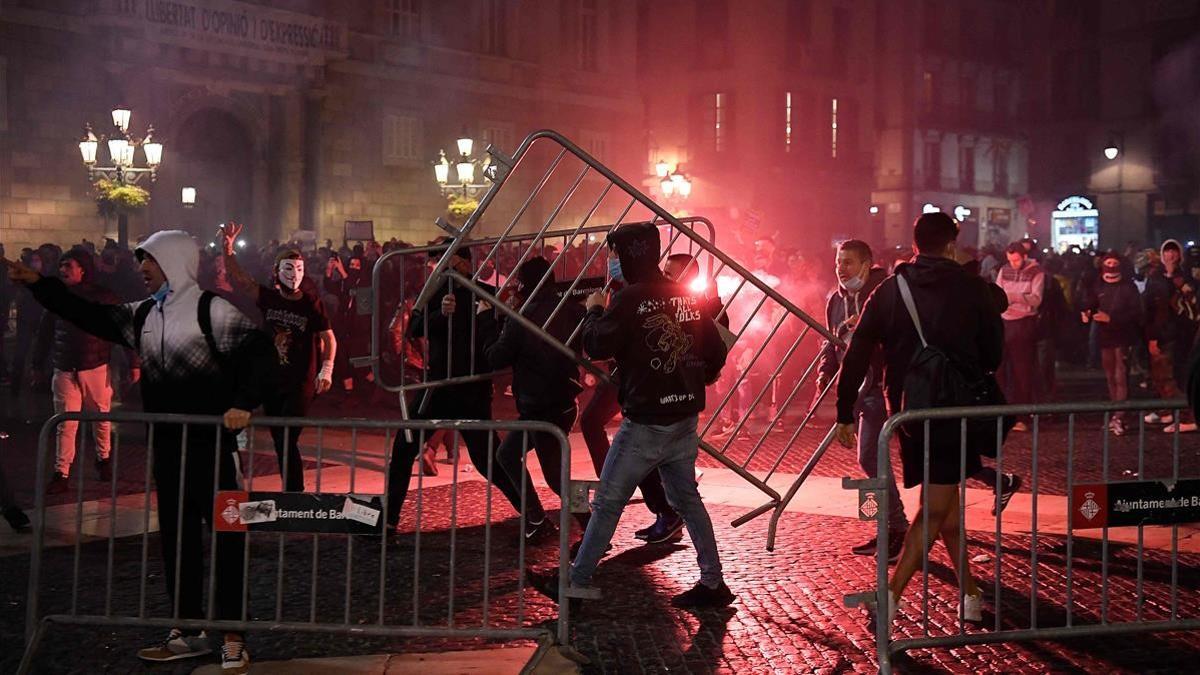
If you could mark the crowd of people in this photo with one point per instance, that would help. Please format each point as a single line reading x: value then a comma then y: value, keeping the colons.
x: 233, y: 327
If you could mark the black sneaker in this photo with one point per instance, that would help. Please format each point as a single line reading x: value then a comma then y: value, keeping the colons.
x: 665, y: 529
x: 104, y: 469
x: 546, y: 583
x: 867, y: 548
x: 895, y: 545
x: 641, y: 534
x: 1011, y: 483
x: 58, y: 484
x: 539, y: 532
x: 16, y: 518
x: 703, y: 596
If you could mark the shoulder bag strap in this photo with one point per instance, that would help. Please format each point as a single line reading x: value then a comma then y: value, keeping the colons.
x: 906, y: 294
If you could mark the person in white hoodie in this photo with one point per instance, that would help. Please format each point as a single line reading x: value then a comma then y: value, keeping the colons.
x: 199, y: 356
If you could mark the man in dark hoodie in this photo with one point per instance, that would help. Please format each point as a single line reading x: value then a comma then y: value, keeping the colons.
x: 857, y: 279
x: 959, y: 314
x: 545, y: 384
x: 80, y: 360
x: 1113, y: 303
x: 667, y: 348
x: 455, y: 337
x: 1183, y: 317
x: 187, y: 369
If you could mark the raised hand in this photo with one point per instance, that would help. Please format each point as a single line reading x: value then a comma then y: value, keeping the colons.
x: 19, y: 272
x: 229, y: 233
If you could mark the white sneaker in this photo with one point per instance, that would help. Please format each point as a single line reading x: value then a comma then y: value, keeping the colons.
x: 177, y: 646
x: 1155, y: 418
x: 971, y: 609
x: 1183, y: 427
x: 235, y: 660
x: 243, y: 439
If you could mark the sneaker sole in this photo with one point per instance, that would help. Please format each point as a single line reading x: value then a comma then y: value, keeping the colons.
x: 673, y: 535
x: 176, y: 657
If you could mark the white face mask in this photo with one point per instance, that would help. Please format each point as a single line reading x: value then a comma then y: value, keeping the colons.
x: 291, y: 273
x: 854, y: 284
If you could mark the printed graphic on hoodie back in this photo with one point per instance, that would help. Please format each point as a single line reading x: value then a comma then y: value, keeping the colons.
x: 663, y: 321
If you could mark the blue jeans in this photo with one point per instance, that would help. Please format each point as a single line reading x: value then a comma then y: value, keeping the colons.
x: 638, y: 449
x: 870, y: 412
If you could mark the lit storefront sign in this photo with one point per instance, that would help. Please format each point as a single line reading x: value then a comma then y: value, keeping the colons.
x: 1076, y: 222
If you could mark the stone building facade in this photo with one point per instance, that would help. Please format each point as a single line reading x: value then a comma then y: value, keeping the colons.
x: 296, y: 115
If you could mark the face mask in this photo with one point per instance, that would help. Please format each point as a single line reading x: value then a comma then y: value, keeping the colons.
x: 614, y: 269
x: 1112, y: 277
x: 854, y: 284
x: 291, y: 273
x: 160, y: 296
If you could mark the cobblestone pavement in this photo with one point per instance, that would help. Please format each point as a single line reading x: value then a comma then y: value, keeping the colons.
x: 788, y: 616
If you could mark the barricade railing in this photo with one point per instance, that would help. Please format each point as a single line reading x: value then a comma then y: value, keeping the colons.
x: 766, y: 400
x: 432, y: 578
x: 1098, y: 496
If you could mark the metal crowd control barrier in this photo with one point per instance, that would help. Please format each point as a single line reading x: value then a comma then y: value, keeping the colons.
x: 1066, y: 596
x: 378, y: 591
x: 766, y: 400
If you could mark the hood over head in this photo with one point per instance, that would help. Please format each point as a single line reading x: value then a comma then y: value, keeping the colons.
x: 1171, y: 243
x: 638, y: 248
x: 177, y: 254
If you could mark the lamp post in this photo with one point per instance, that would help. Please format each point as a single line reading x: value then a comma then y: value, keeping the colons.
x: 466, y: 168
x: 1115, y: 149
x: 122, y: 152
x: 673, y: 184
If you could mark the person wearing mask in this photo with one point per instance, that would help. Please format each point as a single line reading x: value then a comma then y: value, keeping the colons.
x: 1023, y: 281
x: 81, y: 380
x: 857, y: 279
x: 667, y: 348
x: 295, y: 319
x: 199, y: 356
x: 545, y: 384
x: 959, y: 314
x: 1115, y: 306
x: 455, y: 348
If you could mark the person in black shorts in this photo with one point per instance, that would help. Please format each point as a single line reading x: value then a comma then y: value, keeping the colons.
x: 295, y: 320
x: 959, y: 314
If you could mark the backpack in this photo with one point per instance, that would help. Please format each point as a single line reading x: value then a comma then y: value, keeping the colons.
x: 203, y: 317
x: 938, y: 378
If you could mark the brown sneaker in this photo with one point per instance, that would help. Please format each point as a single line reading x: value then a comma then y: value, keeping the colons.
x: 177, y: 646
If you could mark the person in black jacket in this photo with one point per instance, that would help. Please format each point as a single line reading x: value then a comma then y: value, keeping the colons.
x: 1114, y: 304
x: 545, y: 384
x: 454, y: 348
x: 857, y: 279
x: 959, y: 314
x: 667, y: 348
x: 80, y: 361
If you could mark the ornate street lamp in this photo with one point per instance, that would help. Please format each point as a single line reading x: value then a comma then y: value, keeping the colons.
x: 673, y: 184
x: 465, y: 170
x: 122, y: 154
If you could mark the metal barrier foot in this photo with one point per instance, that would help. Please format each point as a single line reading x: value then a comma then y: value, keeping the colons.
x: 31, y: 647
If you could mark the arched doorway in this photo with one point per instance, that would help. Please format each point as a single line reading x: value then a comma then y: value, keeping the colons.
x: 214, y: 154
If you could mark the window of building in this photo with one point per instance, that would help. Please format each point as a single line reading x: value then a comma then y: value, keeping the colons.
x: 711, y: 124
x: 933, y: 164
x: 1003, y: 100
x: 966, y: 168
x: 595, y: 143
x: 404, y: 17
x: 495, y: 27
x: 833, y: 128
x: 499, y: 134
x: 401, y: 139
x: 927, y: 91
x: 787, y: 122
x: 1001, y: 170
x: 712, y: 31
x: 839, y: 64
x: 970, y: 93
x: 589, y: 22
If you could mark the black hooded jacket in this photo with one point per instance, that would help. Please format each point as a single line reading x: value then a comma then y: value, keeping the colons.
x: 664, y: 340
x: 544, y: 379
x: 959, y: 313
x: 459, y: 345
x: 843, y: 305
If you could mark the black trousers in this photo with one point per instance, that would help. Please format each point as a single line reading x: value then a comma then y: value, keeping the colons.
x: 459, y: 402
x: 600, y: 409
x: 289, y: 401
x: 512, y: 451
x: 183, y: 518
